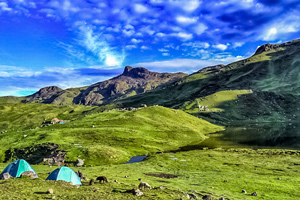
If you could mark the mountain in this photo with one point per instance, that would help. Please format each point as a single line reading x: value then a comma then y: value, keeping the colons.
x: 131, y: 82
x: 265, y: 86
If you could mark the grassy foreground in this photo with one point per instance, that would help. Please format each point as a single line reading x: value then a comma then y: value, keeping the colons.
x: 273, y: 174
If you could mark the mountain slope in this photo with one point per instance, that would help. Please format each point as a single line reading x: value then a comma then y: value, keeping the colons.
x: 271, y: 75
x: 131, y: 82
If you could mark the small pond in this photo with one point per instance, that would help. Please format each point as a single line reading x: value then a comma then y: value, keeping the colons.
x: 136, y: 159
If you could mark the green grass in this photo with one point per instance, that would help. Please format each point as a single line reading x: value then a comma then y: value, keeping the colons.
x: 213, y: 101
x: 273, y: 174
x: 111, y: 136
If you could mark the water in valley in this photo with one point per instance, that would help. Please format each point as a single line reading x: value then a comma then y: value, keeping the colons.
x: 263, y: 135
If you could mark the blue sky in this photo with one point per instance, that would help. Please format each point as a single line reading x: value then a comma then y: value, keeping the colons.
x: 73, y: 43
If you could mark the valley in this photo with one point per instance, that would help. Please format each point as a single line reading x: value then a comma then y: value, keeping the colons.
x: 220, y: 130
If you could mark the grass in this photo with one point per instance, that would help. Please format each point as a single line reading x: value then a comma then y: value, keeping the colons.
x: 273, y: 174
x: 111, y: 136
x: 213, y: 101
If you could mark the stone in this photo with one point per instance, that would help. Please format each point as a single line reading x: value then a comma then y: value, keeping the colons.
x: 222, y: 198
x: 254, y: 194
x: 135, y: 192
x: 244, y: 191
x: 5, y: 176
x: 50, y: 191
x: 29, y: 173
x: 225, y: 181
x: 80, y: 162
x: 207, y: 197
x: 193, y: 196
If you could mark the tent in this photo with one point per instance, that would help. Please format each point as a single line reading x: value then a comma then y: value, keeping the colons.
x: 17, y: 167
x: 65, y: 174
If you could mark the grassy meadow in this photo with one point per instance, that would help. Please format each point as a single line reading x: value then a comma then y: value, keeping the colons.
x: 273, y: 174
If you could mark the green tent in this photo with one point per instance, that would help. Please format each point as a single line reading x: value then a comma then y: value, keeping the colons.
x: 17, y: 167
x: 65, y: 174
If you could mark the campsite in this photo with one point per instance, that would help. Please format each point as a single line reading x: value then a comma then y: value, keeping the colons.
x: 149, y: 99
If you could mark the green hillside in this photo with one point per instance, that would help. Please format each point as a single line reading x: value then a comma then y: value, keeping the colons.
x: 112, y: 136
x: 271, y: 76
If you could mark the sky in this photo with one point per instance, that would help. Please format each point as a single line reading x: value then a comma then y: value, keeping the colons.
x: 74, y: 43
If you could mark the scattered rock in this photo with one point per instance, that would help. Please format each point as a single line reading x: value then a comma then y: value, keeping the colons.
x: 278, y: 178
x: 225, y: 181
x: 80, y: 162
x: 222, y: 198
x: 50, y: 191
x: 244, y: 191
x: 207, y: 197
x: 254, y: 194
x: 5, y: 176
x: 125, y: 176
x: 193, y: 196
x: 135, y: 192
x: 29, y: 173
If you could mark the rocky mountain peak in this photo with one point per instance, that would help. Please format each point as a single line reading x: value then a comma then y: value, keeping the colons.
x: 46, y: 92
x: 137, y: 72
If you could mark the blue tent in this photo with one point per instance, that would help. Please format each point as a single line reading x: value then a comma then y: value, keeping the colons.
x: 17, y: 167
x: 65, y: 174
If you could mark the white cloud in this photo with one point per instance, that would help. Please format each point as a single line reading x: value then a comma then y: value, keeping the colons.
x: 148, y: 30
x: 183, y: 36
x: 204, y: 45
x: 160, y: 34
x: 145, y: 47
x: 165, y: 54
x: 238, y: 44
x: 99, y: 47
x: 200, y: 28
x: 186, y: 20
x: 187, y: 65
x: 129, y: 33
x: 163, y: 50
x: 4, y: 7
x: 139, y: 8
x: 130, y: 47
x: 222, y: 47
x: 136, y: 41
x: 271, y: 34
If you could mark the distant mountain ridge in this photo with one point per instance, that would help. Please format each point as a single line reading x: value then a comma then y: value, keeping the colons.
x: 131, y: 82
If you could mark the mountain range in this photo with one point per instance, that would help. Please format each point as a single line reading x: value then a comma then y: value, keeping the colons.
x: 264, y: 85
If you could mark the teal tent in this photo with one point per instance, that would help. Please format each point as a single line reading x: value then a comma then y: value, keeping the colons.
x: 65, y: 174
x: 17, y: 167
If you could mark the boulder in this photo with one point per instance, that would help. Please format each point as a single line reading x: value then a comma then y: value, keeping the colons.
x: 29, y: 173
x: 222, y: 198
x: 254, y: 194
x: 193, y: 196
x: 80, y: 162
x: 135, y: 192
x: 207, y: 197
x: 244, y: 191
x: 5, y: 176
x: 50, y: 191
